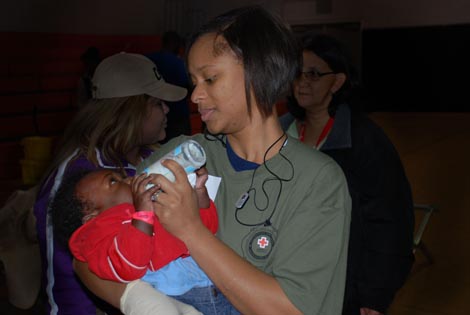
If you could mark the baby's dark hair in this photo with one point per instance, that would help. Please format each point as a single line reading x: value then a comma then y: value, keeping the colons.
x: 66, y: 209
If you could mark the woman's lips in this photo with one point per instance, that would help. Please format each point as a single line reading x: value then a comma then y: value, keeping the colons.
x: 304, y: 93
x: 205, y: 114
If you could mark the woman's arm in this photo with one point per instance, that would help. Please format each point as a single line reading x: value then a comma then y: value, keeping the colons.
x: 109, y: 291
x: 249, y: 289
x: 134, y: 298
x: 387, y: 220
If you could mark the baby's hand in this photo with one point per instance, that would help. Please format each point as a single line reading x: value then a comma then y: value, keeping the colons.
x: 200, y: 188
x: 142, y: 197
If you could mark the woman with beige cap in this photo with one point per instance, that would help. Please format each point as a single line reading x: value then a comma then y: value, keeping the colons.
x: 114, y: 130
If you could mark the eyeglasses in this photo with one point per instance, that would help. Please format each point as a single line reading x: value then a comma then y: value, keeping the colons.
x: 313, y: 74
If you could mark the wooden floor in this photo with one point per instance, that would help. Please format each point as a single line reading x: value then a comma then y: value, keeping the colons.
x: 435, y: 149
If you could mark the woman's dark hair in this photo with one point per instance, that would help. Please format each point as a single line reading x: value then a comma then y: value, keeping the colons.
x: 266, y: 47
x: 330, y: 50
x: 66, y: 209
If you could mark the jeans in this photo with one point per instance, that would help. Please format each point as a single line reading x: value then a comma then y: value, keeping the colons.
x: 208, y: 300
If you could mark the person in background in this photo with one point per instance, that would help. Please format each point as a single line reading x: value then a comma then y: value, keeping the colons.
x: 115, y: 130
x: 284, y: 208
x: 90, y: 60
x: 171, y: 66
x: 325, y: 114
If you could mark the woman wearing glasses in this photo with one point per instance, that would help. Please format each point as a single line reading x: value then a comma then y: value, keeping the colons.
x: 324, y: 114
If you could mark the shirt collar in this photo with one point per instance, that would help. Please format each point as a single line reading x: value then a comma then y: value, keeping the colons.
x: 237, y: 162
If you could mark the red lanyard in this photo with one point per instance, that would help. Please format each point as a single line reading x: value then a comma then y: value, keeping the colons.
x: 323, y: 134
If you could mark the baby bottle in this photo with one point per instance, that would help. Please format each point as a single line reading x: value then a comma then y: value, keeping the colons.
x: 189, y: 154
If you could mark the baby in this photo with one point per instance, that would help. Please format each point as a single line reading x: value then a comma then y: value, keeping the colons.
x: 108, y: 221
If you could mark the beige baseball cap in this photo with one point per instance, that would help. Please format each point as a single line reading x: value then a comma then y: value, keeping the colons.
x: 126, y: 74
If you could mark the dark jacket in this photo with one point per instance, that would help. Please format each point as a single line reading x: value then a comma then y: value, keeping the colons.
x: 381, y: 241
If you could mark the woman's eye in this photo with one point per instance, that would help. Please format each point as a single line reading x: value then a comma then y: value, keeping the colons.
x: 113, y: 181
x: 160, y: 105
x: 156, y: 102
x: 210, y: 79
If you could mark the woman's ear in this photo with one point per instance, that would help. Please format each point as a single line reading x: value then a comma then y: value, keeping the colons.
x: 340, y: 78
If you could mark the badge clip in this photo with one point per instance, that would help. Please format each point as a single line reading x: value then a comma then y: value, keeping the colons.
x: 242, y: 200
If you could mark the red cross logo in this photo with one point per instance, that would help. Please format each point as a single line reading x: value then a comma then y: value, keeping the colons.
x: 263, y: 242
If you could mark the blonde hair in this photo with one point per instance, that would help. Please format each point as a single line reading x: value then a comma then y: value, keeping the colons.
x: 113, y: 125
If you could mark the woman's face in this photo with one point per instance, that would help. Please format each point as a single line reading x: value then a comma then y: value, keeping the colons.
x: 314, y: 92
x: 219, y: 85
x: 155, y: 121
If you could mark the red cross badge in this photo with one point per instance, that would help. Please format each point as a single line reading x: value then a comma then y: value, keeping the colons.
x: 263, y: 242
x: 260, y: 242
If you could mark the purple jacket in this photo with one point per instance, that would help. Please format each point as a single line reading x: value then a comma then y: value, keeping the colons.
x: 65, y: 293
